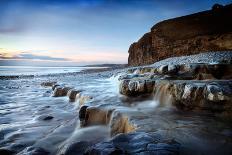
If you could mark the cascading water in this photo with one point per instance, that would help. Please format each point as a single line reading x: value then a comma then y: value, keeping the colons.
x: 162, y: 95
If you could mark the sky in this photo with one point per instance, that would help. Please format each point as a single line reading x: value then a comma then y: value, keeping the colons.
x: 81, y: 32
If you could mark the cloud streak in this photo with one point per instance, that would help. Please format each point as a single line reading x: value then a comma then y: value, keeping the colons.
x: 28, y: 56
x: 83, y: 30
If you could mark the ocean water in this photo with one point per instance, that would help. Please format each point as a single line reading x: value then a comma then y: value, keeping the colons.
x: 24, y: 104
x: 34, y: 70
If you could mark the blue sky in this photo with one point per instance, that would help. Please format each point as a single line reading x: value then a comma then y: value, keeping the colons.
x: 78, y: 32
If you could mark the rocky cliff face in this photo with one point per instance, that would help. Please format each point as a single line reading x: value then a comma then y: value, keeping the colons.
x: 201, y: 32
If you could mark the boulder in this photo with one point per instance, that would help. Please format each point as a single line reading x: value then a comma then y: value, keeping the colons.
x: 120, y: 124
x: 48, y: 83
x: 72, y: 94
x: 136, y: 87
x: 61, y: 91
x: 94, y: 116
x: 54, y: 86
x: 136, y: 143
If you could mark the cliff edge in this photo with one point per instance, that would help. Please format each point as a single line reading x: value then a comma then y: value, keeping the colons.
x: 192, y: 34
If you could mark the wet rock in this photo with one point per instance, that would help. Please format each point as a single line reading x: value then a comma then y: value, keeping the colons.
x: 61, y: 91
x: 215, y: 93
x: 173, y: 69
x: 72, y: 94
x: 123, y: 87
x: 54, y: 86
x: 120, y: 124
x: 163, y: 69
x: 4, y: 151
x: 58, y: 91
x: 77, y: 148
x: 187, y: 95
x: 48, y: 83
x: 214, y: 96
x: 203, y: 76
x: 48, y: 118
x: 136, y: 143
x: 82, y: 112
x: 45, y: 117
x: 95, y: 116
x: 136, y: 87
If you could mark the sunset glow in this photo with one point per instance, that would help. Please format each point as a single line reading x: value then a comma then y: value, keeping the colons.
x: 79, y: 31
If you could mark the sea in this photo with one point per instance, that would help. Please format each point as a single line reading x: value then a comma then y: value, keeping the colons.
x: 37, y: 71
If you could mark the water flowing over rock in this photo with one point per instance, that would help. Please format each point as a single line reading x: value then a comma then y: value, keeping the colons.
x: 72, y: 94
x: 196, y: 33
x: 117, y: 122
x: 190, y: 86
x: 83, y: 99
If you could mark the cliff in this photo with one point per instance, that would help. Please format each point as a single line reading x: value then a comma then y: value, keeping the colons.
x: 196, y: 33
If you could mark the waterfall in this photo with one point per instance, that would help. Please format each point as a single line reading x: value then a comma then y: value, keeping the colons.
x: 162, y: 95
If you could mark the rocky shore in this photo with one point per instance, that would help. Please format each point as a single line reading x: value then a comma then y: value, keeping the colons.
x: 174, y: 97
x: 198, y: 83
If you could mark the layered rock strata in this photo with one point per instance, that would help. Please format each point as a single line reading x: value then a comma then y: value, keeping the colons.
x: 191, y: 86
x: 196, y: 33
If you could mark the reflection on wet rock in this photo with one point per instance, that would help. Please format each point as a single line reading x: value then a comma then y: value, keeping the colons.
x: 136, y: 143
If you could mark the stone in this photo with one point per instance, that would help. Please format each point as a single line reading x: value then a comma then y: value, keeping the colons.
x: 61, y: 91
x: 135, y: 143
x: 4, y: 151
x: 163, y: 69
x: 82, y: 112
x: 77, y: 148
x: 45, y: 117
x: 72, y: 94
x: 54, y: 86
x: 48, y: 118
x: 136, y: 87
x: 48, y: 84
x: 215, y: 93
x: 173, y: 69
x: 94, y: 116
x: 120, y: 124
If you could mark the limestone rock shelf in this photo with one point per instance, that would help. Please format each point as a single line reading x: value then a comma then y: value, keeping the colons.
x: 190, y: 86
